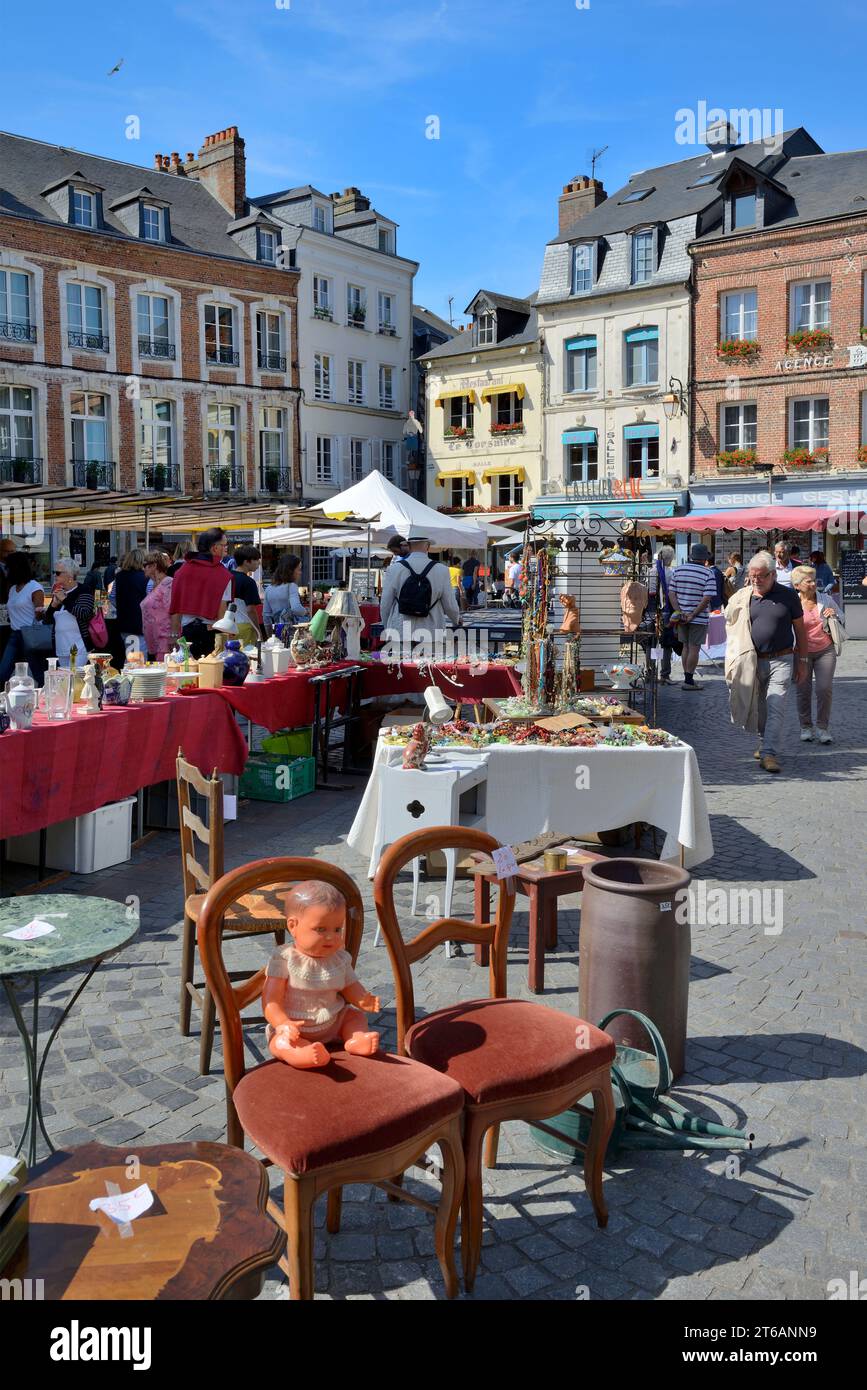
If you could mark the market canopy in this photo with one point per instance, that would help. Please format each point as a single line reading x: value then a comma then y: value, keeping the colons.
x: 389, y: 512
x: 749, y: 519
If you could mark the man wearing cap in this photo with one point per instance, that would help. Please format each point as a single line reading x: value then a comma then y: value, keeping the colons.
x: 692, y: 588
x: 415, y: 634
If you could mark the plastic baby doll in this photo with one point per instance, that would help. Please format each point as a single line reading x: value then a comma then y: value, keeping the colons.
x: 312, y: 995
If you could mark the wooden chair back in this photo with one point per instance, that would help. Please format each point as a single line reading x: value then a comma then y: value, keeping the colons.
x: 404, y: 954
x: 231, y: 998
x: 201, y: 844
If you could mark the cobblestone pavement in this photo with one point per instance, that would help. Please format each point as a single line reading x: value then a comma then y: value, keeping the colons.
x: 776, y: 1042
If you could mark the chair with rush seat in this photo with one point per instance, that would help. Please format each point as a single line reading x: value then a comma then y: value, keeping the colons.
x: 515, y: 1060
x: 356, y: 1120
x: 257, y: 914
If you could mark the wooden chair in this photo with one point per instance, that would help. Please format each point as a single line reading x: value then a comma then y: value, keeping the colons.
x: 256, y: 915
x: 515, y: 1060
x: 359, y: 1119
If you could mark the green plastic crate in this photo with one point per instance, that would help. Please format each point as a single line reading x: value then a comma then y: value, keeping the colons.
x: 290, y: 743
x: 268, y: 777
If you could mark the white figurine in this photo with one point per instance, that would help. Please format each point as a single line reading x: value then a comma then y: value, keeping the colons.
x: 89, y: 698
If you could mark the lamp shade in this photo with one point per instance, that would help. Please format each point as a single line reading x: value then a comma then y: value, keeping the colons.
x: 343, y: 604
x: 227, y: 623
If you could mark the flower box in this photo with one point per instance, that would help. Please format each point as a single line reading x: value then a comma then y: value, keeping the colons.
x: 741, y: 460
x: 805, y: 459
x: 458, y: 432
x: 740, y: 348
x: 863, y: 333
x: 507, y: 429
x: 862, y: 456
x: 809, y: 339
x: 320, y: 312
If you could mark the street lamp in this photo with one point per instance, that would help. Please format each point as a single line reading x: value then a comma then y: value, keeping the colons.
x: 674, y: 400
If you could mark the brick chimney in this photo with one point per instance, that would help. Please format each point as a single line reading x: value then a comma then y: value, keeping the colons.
x: 220, y: 166
x: 350, y: 200
x: 580, y: 196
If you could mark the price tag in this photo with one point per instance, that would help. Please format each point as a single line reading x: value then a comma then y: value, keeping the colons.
x: 665, y: 907
x: 126, y: 1206
x: 656, y: 653
x: 505, y: 862
x: 31, y: 931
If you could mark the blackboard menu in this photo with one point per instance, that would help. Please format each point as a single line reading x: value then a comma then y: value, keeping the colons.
x: 363, y: 583
x: 853, y: 568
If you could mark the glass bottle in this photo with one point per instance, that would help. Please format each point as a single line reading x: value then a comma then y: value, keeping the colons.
x: 58, y: 690
x: 21, y: 696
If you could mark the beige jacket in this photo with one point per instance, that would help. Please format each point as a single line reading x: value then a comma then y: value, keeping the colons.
x: 741, y: 662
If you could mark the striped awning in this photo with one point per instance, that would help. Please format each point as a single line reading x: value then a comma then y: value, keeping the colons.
x: 454, y: 395
x: 468, y: 473
x: 517, y: 387
x: 500, y: 469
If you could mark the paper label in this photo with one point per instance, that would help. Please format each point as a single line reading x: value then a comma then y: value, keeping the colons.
x: 31, y: 931
x: 505, y: 862
x: 656, y: 653
x: 126, y: 1206
x: 230, y: 808
x: 665, y: 907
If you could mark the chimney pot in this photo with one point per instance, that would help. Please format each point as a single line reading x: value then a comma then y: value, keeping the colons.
x: 190, y: 156
x: 579, y: 197
x: 158, y: 161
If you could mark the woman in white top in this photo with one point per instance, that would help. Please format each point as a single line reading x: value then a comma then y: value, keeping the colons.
x: 70, y: 610
x: 25, y: 603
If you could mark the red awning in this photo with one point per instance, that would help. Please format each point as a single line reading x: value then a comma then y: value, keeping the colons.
x: 749, y: 519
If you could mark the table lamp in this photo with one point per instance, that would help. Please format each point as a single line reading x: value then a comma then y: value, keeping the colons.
x: 439, y: 711
x: 343, y: 605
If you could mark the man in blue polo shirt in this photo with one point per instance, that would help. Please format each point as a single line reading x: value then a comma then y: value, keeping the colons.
x: 692, y: 587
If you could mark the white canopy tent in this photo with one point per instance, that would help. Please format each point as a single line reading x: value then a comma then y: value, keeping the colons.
x: 388, y: 512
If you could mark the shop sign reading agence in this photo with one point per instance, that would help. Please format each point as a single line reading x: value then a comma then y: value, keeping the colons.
x: 819, y: 361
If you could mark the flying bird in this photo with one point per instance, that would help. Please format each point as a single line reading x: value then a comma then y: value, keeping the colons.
x: 117, y: 67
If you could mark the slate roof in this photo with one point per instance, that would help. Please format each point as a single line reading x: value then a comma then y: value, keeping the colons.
x: 500, y: 301
x: 433, y: 320
x: 820, y: 186
x: 292, y: 195
x: 198, y: 221
x: 462, y: 344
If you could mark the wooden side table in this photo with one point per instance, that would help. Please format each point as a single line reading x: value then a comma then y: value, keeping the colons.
x: 543, y: 889
x: 206, y: 1236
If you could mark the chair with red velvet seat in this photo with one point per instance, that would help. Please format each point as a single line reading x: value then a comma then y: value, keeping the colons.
x: 515, y: 1060
x: 357, y: 1120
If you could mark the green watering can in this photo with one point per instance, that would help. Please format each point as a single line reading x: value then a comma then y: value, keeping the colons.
x: 645, y: 1117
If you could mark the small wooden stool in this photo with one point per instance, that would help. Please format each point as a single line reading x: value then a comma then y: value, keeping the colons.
x: 543, y: 889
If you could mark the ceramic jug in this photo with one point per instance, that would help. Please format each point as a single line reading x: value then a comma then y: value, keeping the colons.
x: 236, y: 663
x: 303, y: 645
x: 21, y: 697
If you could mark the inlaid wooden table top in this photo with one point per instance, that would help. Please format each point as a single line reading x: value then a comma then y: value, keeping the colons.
x: 206, y: 1236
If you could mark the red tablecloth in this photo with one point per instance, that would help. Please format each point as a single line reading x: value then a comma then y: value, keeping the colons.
x: 497, y: 683
x: 283, y: 702
x: 58, y: 770
x: 370, y: 614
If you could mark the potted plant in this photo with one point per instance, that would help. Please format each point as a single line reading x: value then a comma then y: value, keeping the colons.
x: 272, y: 479
x: 863, y: 332
x: 736, y: 458
x: 738, y: 348
x: 161, y: 474
x: 809, y: 339
x: 805, y: 458
x: 357, y: 315
x: 862, y: 456
x: 91, y: 474
x: 516, y: 428
x: 20, y: 469
x: 457, y: 432
x: 321, y: 311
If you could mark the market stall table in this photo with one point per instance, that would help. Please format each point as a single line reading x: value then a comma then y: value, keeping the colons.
x: 206, y: 1234
x: 83, y: 931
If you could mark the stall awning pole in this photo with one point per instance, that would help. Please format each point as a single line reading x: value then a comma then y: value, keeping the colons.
x: 147, y: 529
x: 368, y: 560
x: 310, y: 571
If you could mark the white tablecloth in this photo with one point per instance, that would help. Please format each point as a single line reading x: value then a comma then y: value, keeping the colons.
x: 534, y: 789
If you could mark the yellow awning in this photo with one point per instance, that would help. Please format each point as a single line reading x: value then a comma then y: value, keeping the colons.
x: 453, y: 395
x: 468, y: 473
x: 516, y: 386
x: 498, y: 470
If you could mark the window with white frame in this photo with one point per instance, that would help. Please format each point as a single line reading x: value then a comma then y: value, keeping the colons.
x: 740, y: 315
x: 272, y: 449
x: 83, y: 208
x: 156, y: 444
x: 739, y: 426
x: 582, y: 463
x: 266, y: 245
x: 355, y: 381
x: 509, y: 490
x: 389, y: 459
x: 88, y: 414
x: 220, y: 335
x: 507, y: 408
x: 458, y: 415
x: 386, y: 240
x: 17, y: 430
x: 324, y: 472
x: 642, y: 356
x: 356, y: 460
x: 461, y: 492
x: 356, y: 305
x: 386, y: 388
x: 322, y: 306
x: 320, y: 218
x: 385, y: 306
x: 154, y: 323
x: 642, y: 256
x: 152, y: 223
x: 85, y: 317
x: 485, y: 328
x: 269, y: 342
x: 322, y: 376
x: 811, y: 305
x: 222, y: 447
x: 15, y: 311
x: 323, y: 563
x: 582, y: 269
x: 581, y: 360
x: 809, y: 423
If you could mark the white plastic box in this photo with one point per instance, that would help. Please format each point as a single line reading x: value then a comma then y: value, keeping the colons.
x: 84, y: 845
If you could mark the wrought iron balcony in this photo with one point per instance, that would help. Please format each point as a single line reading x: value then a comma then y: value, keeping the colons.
x: 21, y: 470
x: 159, y: 477
x: 271, y: 362
x: 356, y: 318
x: 274, y: 479
x: 388, y: 329
x: 386, y: 402
x: 323, y: 311
x: 223, y: 357
x: 223, y: 478
x: 17, y: 332
x: 95, y: 474
x: 91, y: 342
x: 156, y: 347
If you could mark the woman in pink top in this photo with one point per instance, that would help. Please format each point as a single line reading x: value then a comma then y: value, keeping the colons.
x: 821, y: 656
x: 156, y: 622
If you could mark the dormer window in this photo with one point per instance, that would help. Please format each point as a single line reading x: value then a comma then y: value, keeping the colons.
x: 486, y: 328
x: 83, y: 208
x: 152, y: 223
x: 744, y: 209
x: 643, y: 258
x: 320, y: 218
x: 267, y: 246
x: 582, y: 269
x: 386, y: 241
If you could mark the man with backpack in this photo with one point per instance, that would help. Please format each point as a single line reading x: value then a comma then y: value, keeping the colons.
x: 417, y: 603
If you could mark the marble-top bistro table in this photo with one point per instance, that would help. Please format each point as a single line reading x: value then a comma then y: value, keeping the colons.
x: 85, y: 931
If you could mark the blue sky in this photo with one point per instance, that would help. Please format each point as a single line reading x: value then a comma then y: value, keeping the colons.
x: 338, y: 92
